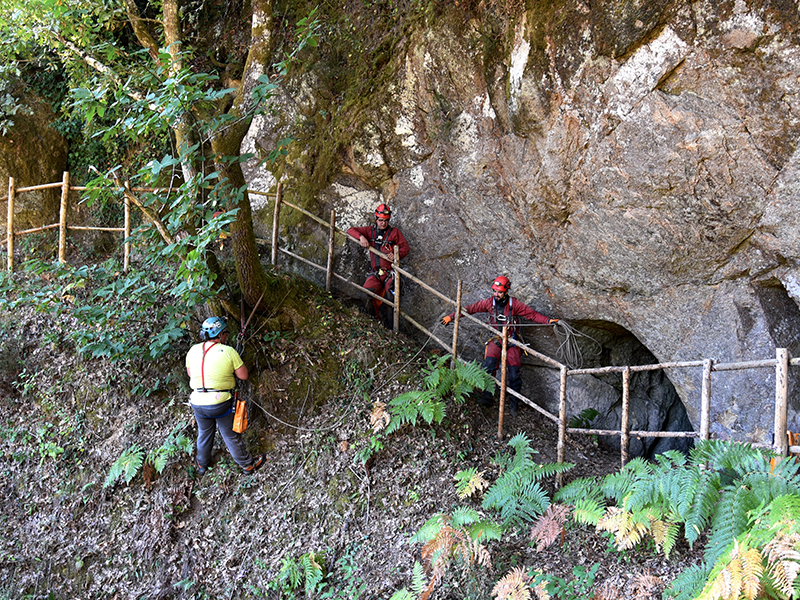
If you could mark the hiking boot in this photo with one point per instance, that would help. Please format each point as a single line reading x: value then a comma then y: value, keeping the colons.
x: 201, y: 470
x: 512, y: 408
x: 259, y: 462
x: 485, y: 401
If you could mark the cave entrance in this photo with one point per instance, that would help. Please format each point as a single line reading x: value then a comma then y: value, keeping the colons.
x: 654, y: 402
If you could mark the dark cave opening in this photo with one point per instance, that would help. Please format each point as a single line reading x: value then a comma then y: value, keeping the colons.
x: 654, y: 403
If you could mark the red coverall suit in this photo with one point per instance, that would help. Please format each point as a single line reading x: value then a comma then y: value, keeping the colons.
x: 504, y: 312
x: 381, y: 279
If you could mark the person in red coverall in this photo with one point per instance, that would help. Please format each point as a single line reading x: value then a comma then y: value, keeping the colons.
x: 388, y: 240
x: 503, y: 309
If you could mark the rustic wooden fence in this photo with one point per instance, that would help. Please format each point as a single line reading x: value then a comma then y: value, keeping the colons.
x: 62, y: 225
x: 780, y: 363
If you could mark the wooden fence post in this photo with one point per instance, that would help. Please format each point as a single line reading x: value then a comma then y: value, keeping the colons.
x: 62, y: 219
x: 126, y: 246
x: 10, y: 225
x: 331, y: 236
x: 503, y: 383
x: 624, y: 440
x: 562, y: 422
x: 781, y: 441
x: 275, y: 220
x: 456, y: 322
x: 396, y: 261
x: 705, y: 400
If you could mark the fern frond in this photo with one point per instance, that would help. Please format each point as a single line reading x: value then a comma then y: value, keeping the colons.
x: 751, y: 573
x: 379, y: 417
x: 126, y: 466
x: 409, y: 406
x: 312, y: 571
x: 513, y: 586
x: 576, y: 489
x: 472, y: 376
x: 522, y: 449
x: 470, y: 481
x: 485, y: 530
x: 702, y: 493
x: 628, y: 530
x: 783, y: 561
x: 731, y: 518
x: 418, y: 578
x: 688, y: 584
x: 430, y: 529
x: 464, y: 515
x: 670, y: 538
x: 589, y: 510
x: 550, y: 526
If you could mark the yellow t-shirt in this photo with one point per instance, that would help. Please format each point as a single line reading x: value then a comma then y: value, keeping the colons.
x: 217, y: 372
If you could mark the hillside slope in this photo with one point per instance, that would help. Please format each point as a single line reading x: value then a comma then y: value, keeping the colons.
x: 328, y: 489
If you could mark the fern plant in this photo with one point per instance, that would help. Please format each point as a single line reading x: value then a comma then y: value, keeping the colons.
x: 175, y: 443
x: 518, y: 494
x: 457, y: 539
x: 718, y: 488
x: 439, y: 383
x: 306, y: 572
x: 126, y: 466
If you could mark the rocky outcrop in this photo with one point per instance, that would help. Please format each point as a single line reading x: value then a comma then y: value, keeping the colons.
x: 32, y: 153
x: 628, y: 163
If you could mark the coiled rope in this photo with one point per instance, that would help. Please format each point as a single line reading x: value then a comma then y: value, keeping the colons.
x: 569, y: 350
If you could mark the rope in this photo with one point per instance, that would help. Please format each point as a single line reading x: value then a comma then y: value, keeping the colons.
x: 569, y: 350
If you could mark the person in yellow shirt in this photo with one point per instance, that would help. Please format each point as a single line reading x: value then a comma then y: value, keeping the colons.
x: 213, y: 368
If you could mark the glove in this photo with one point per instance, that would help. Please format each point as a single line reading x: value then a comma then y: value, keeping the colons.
x: 551, y: 321
x: 446, y: 320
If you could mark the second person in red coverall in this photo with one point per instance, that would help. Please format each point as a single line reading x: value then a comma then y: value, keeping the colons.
x: 388, y: 240
x: 503, y: 310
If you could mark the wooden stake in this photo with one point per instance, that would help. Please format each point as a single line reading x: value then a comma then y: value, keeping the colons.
x: 275, y: 222
x: 331, y: 236
x: 503, y: 382
x: 781, y: 440
x: 562, y: 423
x: 624, y: 441
x: 10, y: 225
x: 705, y: 399
x: 456, y: 323
x: 62, y: 219
x: 126, y: 246
x: 396, y: 314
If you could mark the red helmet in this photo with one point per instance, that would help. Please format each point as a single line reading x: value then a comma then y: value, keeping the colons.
x: 383, y: 211
x: 501, y: 284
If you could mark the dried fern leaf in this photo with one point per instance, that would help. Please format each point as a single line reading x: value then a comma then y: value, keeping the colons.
x: 550, y: 526
x: 379, y: 417
x: 469, y: 482
x: 513, y: 586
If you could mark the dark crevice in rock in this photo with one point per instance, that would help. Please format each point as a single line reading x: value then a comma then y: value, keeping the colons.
x: 654, y: 402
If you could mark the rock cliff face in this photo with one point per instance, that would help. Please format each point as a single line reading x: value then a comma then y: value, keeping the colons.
x: 32, y: 153
x: 632, y: 167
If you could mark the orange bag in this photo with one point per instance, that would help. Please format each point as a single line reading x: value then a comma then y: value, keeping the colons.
x: 240, y: 414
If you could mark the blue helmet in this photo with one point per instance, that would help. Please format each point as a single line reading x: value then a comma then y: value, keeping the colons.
x: 213, y: 327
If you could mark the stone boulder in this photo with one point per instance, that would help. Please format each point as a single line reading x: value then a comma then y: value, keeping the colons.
x: 33, y: 153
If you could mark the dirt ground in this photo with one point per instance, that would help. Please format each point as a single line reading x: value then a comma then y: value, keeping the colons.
x: 64, y: 534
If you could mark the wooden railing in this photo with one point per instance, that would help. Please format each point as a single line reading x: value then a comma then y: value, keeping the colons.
x: 62, y: 225
x: 780, y: 363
